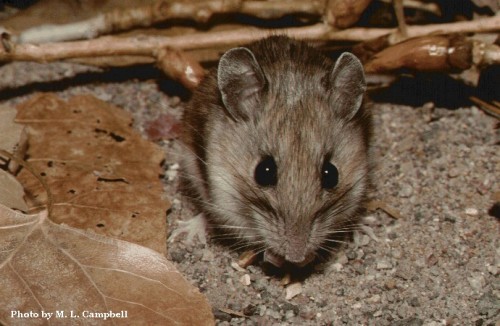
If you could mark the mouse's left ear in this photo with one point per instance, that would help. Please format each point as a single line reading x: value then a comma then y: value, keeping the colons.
x: 241, y: 80
x: 347, y: 85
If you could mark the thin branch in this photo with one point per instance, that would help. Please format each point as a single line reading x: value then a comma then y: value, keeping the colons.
x: 150, y: 45
x: 400, y: 15
x: 425, y: 6
x: 159, y: 11
x: 490, y: 109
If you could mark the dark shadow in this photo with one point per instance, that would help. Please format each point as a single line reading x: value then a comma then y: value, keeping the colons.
x: 440, y: 89
x: 19, y: 4
x: 112, y: 75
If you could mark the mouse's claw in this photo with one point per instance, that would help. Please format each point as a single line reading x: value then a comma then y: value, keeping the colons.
x: 194, y: 227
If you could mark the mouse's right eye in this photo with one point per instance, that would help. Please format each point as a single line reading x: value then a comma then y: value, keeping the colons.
x: 266, y: 172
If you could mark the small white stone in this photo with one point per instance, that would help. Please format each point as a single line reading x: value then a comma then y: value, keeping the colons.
x: 337, y: 267
x: 245, y: 280
x: 383, y: 264
x: 293, y: 290
x: 493, y: 270
x: 471, y: 211
x: 357, y: 305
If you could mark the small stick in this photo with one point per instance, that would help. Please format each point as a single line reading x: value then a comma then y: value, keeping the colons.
x: 490, y: 109
x: 161, y: 10
x: 400, y: 16
x: 150, y: 45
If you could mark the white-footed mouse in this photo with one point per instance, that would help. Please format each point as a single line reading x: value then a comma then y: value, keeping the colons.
x: 279, y: 148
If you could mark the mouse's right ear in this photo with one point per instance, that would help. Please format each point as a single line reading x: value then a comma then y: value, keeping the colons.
x: 241, y: 80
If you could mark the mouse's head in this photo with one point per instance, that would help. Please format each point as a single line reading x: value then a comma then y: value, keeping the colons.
x: 289, y: 169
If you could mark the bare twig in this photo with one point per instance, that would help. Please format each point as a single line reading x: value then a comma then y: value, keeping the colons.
x: 380, y: 204
x: 199, y: 11
x: 150, y: 45
x: 415, y: 4
x: 400, y: 16
x: 490, y: 109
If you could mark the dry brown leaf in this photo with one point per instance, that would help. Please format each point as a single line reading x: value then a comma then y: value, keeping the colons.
x: 11, y: 192
x: 11, y: 131
x: 55, y: 268
x: 103, y: 175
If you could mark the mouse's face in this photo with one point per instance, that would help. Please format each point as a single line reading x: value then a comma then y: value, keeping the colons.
x: 291, y: 184
x: 290, y: 176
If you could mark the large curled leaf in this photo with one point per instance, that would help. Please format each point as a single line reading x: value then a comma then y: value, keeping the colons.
x: 55, y: 268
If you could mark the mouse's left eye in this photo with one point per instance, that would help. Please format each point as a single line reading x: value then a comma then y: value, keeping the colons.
x: 329, y: 175
x: 266, y: 172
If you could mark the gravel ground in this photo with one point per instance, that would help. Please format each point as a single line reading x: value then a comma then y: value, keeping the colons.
x: 438, y: 264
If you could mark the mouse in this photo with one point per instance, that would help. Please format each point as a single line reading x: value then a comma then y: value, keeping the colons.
x: 278, y: 148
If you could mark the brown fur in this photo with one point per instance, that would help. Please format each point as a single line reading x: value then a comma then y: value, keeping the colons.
x: 299, y: 120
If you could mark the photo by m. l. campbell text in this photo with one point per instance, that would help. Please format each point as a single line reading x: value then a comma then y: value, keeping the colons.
x: 71, y: 314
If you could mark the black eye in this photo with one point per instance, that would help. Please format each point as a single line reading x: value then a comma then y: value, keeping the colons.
x: 266, y: 172
x: 329, y: 175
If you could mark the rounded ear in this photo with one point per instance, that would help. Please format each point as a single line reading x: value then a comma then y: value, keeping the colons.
x: 241, y: 80
x: 347, y: 82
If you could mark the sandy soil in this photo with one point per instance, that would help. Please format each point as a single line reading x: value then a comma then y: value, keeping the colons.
x: 438, y: 264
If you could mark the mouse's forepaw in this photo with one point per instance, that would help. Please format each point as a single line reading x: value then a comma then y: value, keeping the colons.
x: 194, y: 227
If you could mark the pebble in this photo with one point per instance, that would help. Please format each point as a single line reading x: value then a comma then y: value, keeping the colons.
x: 357, y: 305
x: 342, y: 259
x: 262, y: 310
x: 390, y: 284
x: 453, y: 172
x: 289, y: 314
x: 260, y: 284
x: 476, y: 281
x: 492, y: 269
x: 383, y: 264
x: 336, y: 267
x: 471, y: 211
x: 374, y: 299
x: 396, y: 253
x: 307, y: 314
x: 406, y: 191
x: 365, y: 240
x: 273, y: 313
x: 245, y: 280
x: 403, y: 273
x: 207, y: 255
x: 293, y: 290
